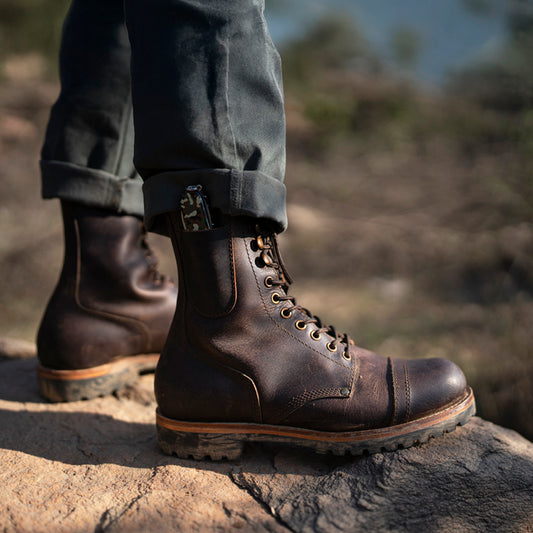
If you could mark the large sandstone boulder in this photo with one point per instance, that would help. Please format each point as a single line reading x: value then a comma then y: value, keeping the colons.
x: 95, y: 466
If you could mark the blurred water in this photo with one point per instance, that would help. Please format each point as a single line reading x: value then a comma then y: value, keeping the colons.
x: 451, y: 34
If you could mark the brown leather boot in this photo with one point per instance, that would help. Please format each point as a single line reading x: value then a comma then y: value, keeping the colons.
x: 109, y: 315
x: 244, y: 362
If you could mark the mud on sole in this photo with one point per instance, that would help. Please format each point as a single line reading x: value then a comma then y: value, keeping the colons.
x: 88, y: 383
x: 218, y: 441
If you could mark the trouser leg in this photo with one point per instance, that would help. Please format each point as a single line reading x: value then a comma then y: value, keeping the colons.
x: 87, y: 155
x: 208, y: 106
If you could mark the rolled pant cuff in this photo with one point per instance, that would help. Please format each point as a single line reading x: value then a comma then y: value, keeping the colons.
x: 249, y: 193
x: 92, y: 187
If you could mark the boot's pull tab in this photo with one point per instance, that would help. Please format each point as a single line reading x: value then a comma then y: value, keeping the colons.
x: 194, y: 210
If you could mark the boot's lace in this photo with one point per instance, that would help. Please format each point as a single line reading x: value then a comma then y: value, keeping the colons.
x: 267, y: 244
x: 154, y: 273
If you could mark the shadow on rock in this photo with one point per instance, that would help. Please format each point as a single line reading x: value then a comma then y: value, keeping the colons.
x: 475, y: 479
x: 18, y: 381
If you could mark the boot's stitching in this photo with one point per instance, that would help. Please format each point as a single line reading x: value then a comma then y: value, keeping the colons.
x: 256, y: 399
x: 254, y: 396
x: 308, y: 396
x: 281, y: 327
x: 233, y: 299
x: 407, y: 393
x: 394, y: 392
x: 232, y: 272
x: 355, y: 371
x: 140, y: 326
x: 299, y: 401
x: 354, y: 367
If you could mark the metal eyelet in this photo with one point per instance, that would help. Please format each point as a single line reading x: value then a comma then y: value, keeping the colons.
x: 300, y: 324
x: 330, y: 346
x: 286, y: 312
x: 260, y: 243
x: 315, y: 336
x: 275, y: 298
x: 346, y: 355
x: 268, y: 282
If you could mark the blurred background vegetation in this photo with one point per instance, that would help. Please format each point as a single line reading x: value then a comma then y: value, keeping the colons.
x: 410, y: 178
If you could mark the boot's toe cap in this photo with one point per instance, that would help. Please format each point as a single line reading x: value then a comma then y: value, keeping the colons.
x: 432, y: 385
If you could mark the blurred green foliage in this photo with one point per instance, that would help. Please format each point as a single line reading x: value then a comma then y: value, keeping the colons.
x: 346, y: 95
x: 406, y: 44
x: 32, y: 26
x: 333, y: 44
x: 505, y: 81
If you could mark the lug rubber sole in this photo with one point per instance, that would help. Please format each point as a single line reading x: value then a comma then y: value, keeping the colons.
x: 88, y: 383
x: 218, y: 441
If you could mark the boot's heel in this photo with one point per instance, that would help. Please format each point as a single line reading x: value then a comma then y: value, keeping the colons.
x: 199, y: 446
x: 89, y: 383
x: 62, y: 389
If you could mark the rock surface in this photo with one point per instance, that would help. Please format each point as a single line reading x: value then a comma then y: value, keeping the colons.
x: 95, y: 466
x: 16, y: 349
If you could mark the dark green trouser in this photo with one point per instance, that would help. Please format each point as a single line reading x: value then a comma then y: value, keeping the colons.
x: 205, y: 81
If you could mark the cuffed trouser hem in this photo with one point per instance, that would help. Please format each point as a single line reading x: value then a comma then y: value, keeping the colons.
x: 92, y: 187
x: 249, y: 193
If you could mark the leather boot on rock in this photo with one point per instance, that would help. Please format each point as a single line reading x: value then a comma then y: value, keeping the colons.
x: 110, y: 312
x: 245, y: 363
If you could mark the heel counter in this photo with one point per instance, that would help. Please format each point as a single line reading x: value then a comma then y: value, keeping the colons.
x: 49, y: 340
x: 192, y: 388
x: 70, y: 338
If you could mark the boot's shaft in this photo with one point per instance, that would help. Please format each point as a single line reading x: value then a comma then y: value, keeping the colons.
x: 108, y: 253
x: 237, y: 319
x: 109, y: 302
x: 241, y: 350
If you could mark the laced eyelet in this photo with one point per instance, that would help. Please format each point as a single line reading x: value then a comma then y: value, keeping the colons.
x: 286, y: 312
x: 260, y: 243
x: 275, y: 298
x: 300, y: 324
x: 346, y: 354
x: 268, y: 282
x: 315, y: 336
x: 266, y: 259
x: 331, y: 347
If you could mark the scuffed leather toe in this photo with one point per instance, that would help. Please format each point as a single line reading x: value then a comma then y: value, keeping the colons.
x: 431, y: 385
